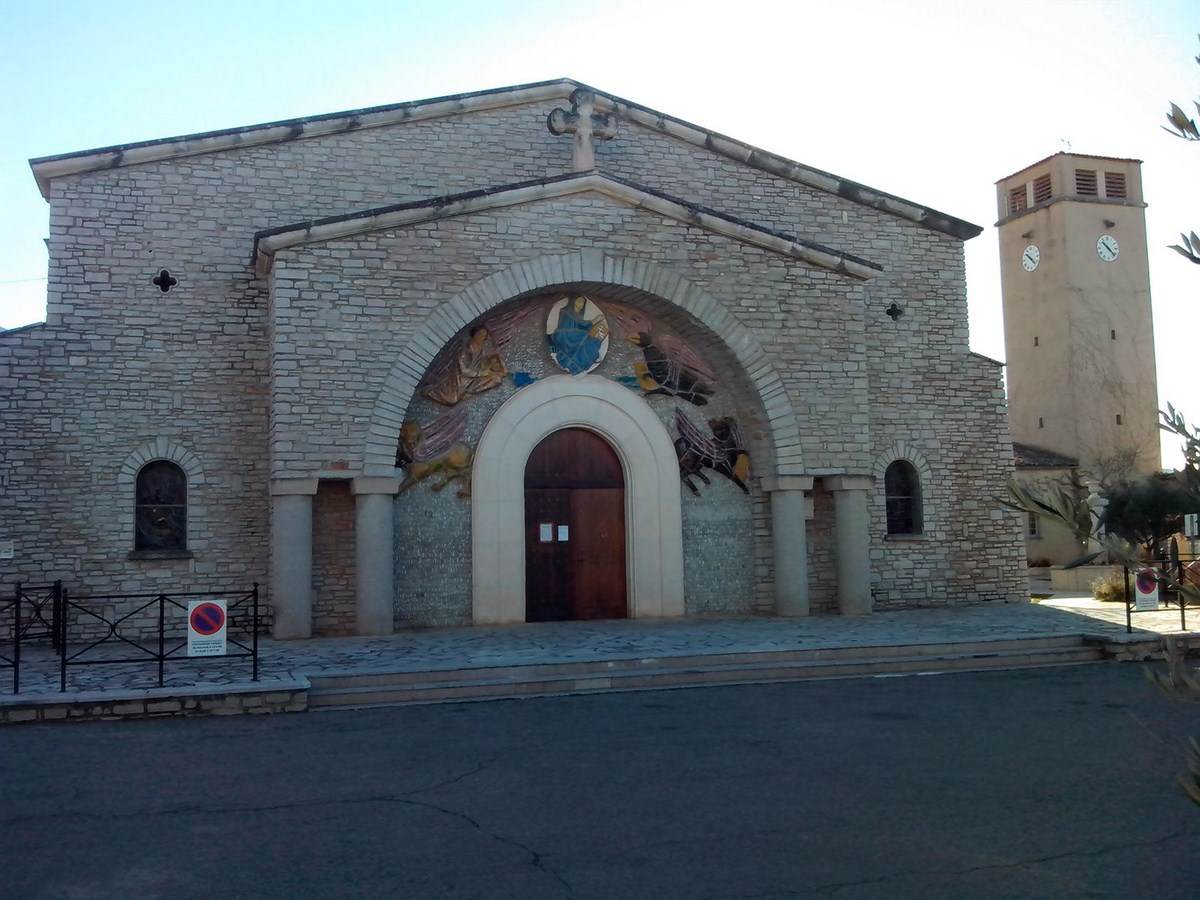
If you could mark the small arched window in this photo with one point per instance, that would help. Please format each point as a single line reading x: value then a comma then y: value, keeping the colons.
x: 902, y: 488
x: 160, y: 508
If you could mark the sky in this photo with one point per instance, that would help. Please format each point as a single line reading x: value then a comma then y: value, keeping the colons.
x: 932, y: 101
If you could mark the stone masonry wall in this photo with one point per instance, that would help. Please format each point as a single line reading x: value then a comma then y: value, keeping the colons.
x: 120, y: 364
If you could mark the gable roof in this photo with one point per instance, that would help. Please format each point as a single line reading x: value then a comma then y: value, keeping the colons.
x: 269, y: 241
x: 47, y: 168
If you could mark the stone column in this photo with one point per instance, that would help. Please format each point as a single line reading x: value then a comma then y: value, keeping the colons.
x: 374, y: 546
x: 852, y: 538
x: 789, y: 542
x: 291, y: 556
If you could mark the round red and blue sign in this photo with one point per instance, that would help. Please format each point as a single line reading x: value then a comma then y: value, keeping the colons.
x: 1147, y: 581
x: 207, y: 619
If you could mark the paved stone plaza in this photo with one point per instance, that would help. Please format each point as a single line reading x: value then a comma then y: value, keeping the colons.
x: 284, y: 665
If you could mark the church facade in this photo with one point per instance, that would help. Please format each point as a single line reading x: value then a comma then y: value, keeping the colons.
x: 523, y: 354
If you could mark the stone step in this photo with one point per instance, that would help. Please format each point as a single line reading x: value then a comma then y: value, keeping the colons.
x: 383, y: 674
x: 400, y: 688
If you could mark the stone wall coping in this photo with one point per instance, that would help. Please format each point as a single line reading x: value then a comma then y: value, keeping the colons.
x: 67, y: 698
x: 787, y: 483
x: 285, y: 487
x: 267, y: 243
x: 848, y: 482
x: 374, y: 485
x: 47, y: 168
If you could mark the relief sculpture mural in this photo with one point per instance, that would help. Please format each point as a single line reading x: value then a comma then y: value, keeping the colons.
x: 671, y: 367
x: 436, y: 450
x: 723, y: 451
x: 471, y: 364
x: 577, y: 334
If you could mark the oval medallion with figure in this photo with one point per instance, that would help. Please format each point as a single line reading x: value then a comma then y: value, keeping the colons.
x: 577, y: 334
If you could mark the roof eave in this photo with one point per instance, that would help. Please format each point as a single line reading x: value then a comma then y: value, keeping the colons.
x: 267, y: 243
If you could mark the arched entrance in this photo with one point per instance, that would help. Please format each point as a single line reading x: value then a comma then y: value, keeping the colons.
x: 574, y: 529
x: 653, y: 542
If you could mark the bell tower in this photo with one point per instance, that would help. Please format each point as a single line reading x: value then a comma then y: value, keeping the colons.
x: 1078, y: 333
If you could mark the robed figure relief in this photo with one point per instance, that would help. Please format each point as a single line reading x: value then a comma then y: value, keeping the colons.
x: 472, y: 364
x: 577, y: 334
x: 467, y: 366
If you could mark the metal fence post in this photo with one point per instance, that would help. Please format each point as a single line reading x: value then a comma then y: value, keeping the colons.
x: 1128, y: 610
x: 254, y: 638
x: 17, y: 639
x: 62, y: 643
x: 56, y: 617
x: 162, y: 657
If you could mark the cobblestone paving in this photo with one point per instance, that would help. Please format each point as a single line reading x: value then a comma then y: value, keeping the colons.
x: 459, y: 648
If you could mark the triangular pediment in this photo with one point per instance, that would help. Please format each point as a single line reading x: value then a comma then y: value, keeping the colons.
x: 46, y: 169
x: 267, y: 243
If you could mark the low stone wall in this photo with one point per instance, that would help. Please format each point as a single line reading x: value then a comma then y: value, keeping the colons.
x: 285, y: 697
x: 1145, y: 649
x: 1079, y: 579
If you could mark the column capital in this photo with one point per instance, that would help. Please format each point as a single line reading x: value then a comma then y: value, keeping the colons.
x: 285, y: 487
x: 786, y: 482
x: 368, y: 485
x: 848, y: 482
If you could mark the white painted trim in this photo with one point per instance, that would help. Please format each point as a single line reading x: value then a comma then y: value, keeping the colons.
x: 653, y: 530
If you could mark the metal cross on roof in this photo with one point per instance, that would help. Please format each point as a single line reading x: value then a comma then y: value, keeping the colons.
x: 585, y: 125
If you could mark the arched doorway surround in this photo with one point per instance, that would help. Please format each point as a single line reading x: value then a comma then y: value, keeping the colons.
x: 654, y: 540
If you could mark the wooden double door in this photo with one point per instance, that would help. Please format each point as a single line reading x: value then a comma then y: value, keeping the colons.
x: 574, y: 529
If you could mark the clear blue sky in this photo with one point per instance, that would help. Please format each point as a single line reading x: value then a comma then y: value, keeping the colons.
x: 933, y: 101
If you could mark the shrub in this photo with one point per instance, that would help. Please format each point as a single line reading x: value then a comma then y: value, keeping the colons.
x: 1110, y: 588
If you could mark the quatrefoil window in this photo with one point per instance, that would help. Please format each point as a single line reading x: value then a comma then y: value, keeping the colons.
x: 164, y: 281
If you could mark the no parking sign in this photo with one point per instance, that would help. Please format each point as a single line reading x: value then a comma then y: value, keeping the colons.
x: 206, y: 628
x: 1145, y: 589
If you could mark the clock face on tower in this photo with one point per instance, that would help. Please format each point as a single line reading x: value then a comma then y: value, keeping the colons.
x: 1030, y: 257
x: 1106, y: 247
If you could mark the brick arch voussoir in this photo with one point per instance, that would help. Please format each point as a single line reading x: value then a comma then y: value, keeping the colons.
x: 569, y: 268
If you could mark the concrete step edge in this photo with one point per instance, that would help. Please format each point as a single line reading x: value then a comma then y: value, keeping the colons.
x: 818, y: 654
x: 573, y: 683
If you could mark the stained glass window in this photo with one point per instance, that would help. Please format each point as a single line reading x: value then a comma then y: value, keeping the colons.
x: 160, y: 513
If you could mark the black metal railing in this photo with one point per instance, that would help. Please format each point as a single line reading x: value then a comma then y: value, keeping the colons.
x: 1161, y: 578
x: 31, y: 613
x: 146, y: 630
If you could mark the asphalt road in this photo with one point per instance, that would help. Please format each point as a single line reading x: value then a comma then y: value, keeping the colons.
x: 1054, y: 783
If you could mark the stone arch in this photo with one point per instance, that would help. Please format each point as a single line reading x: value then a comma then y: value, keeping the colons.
x: 654, y: 539
x: 583, y: 266
x: 161, y: 448
x: 902, y: 450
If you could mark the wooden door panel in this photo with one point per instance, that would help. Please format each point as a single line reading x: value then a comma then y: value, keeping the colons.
x: 574, y: 479
x: 547, y: 563
x: 598, y: 555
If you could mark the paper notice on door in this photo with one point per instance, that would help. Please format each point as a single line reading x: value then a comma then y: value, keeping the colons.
x: 562, y: 532
x: 545, y: 532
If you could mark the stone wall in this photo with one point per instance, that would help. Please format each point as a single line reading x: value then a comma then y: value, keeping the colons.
x: 121, y: 365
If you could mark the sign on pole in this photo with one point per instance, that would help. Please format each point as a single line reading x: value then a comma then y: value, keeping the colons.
x: 1191, y: 526
x: 206, y: 628
x: 1145, y: 586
